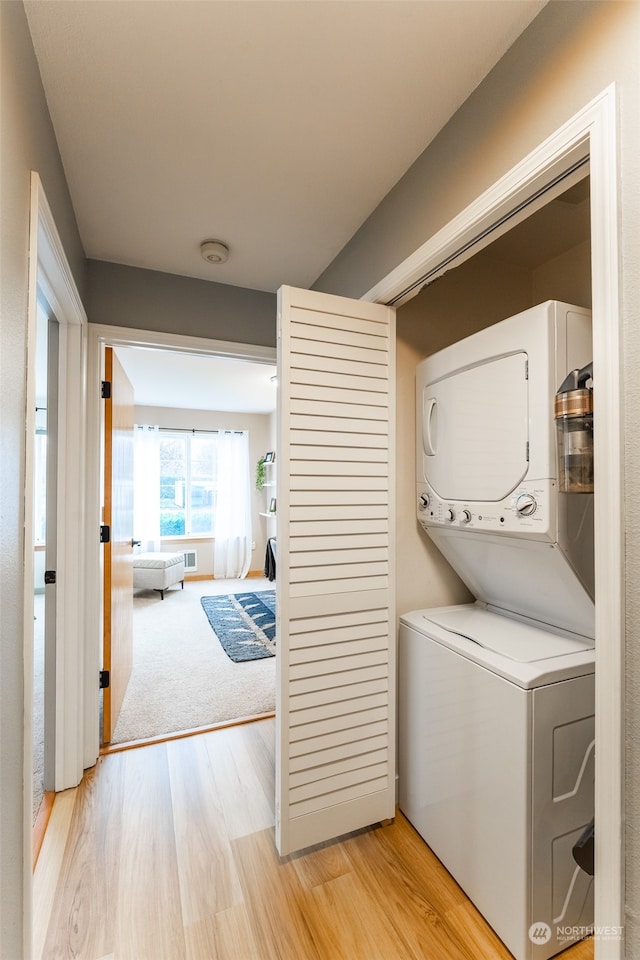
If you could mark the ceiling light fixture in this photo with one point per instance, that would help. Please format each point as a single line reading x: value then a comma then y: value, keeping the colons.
x: 214, y: 251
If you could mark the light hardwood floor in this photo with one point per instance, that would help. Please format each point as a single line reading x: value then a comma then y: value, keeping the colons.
x: 167, y: 853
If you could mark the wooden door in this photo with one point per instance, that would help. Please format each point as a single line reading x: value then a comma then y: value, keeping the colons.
x: 336, y: 629
x: 118, y: 552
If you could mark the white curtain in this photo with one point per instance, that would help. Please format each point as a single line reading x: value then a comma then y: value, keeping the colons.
x: 146, y: 486
x: 232, y: 547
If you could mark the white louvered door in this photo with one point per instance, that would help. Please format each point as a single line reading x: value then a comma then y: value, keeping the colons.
x: 336, y: 673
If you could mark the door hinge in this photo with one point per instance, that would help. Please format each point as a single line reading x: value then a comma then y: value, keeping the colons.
x: 105, y: 533
x: 49, y: 576
x: 526, y: 369
x: 105, y: 391
x: 104, y: 679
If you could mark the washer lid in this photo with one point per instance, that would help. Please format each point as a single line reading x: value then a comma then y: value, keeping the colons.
x: 508, y: 638
x: 529, y: 578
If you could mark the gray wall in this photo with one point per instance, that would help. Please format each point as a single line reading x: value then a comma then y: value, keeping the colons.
x: 27, y: 143
x: 571, y: 52
x: 150, y: 300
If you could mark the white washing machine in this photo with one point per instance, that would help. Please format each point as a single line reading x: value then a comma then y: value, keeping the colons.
x: 496, y: 754
x: 496, y: 698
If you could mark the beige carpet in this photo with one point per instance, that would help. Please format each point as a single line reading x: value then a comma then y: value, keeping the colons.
x: 181, y: 677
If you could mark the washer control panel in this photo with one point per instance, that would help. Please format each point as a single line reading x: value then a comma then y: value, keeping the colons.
x: 526, y: 511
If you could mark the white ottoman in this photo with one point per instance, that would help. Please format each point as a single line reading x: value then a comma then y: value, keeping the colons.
x: 158, y: 571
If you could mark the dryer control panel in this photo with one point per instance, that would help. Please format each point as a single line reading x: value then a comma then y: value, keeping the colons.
x: 529, y: 511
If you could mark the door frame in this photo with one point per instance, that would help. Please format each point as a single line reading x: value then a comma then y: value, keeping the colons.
x: 99, y: 337
x: 49, y: 271
x: 591, y: 135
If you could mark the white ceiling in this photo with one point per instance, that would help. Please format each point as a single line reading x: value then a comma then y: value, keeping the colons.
x: 274, y: 125
x: 163, y: 378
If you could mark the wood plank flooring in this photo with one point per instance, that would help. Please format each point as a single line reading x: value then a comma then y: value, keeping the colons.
x: 167, y: 853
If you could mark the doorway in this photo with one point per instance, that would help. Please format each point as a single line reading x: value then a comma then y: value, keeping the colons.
x: 53, y: 515
x: 45, y: 461
x: 183, y: 402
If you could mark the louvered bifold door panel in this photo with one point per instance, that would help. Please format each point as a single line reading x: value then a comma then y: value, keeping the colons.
x: 335, y: 661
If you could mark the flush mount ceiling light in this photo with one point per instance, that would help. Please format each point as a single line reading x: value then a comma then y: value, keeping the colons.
x: 214, y: 251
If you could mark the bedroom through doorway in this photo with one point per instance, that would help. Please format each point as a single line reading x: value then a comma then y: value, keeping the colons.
x: 203, y: 424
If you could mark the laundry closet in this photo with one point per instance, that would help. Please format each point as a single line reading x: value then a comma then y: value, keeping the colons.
x: 545, y: 257
x: 496, y: 648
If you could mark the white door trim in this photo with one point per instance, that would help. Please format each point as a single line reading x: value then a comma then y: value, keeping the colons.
x: 49, y: 269
x: 591, y: 134
x: 101, y: 335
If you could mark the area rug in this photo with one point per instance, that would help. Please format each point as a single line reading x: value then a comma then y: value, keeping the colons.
x: 244, y: 623
x: 181, y: 677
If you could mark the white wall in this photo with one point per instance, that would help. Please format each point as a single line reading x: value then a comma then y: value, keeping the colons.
x: 258, y: 426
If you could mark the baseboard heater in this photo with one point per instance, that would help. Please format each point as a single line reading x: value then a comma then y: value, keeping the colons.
x: 190, y: 561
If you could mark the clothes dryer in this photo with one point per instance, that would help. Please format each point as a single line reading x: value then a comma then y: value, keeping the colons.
x: 487, y: 479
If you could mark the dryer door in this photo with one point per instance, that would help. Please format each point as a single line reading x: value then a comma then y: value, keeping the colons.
x: 475, y: 430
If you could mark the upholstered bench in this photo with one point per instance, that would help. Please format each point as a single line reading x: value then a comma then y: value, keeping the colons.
x: 158, y: 571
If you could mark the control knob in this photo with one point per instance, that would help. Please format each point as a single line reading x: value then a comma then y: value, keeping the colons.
x: 466, y: 516
x: 449, y: 515
x: 423, y: 501
x: 526, y: 505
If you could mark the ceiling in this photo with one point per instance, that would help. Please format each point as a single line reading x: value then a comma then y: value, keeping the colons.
x: 276, y: 126
x: 163, y: 378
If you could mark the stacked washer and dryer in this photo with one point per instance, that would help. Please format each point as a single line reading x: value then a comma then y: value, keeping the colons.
x: 496, y: 697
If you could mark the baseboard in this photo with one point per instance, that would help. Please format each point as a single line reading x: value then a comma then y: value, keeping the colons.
x: 108, y: 748
x: 210, y: 576
x: 40, y: 826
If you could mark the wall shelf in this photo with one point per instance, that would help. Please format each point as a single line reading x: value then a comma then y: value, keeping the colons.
x: 269, y: 485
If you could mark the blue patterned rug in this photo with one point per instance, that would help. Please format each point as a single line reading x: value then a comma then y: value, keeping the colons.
x: 244, y: 623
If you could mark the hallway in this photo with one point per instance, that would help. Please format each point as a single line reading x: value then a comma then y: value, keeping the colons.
x: 166, y: 853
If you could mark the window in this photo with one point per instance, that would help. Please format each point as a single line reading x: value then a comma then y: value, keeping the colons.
x: 188, y: 483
